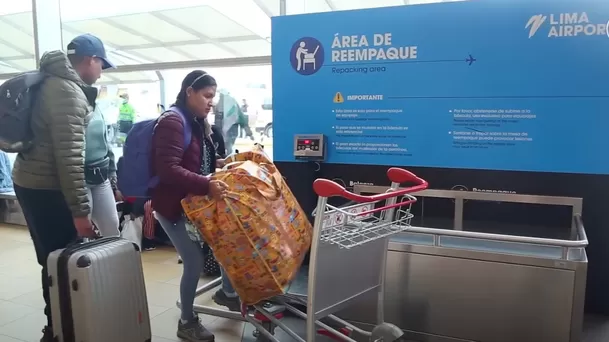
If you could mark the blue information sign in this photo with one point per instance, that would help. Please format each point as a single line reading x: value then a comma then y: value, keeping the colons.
x: 504, y: 85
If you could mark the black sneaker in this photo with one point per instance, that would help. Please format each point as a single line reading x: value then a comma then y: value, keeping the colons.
x: 232, y: 303
x: 47, y: 335
x: 194, y: 331
x: 148, y: 245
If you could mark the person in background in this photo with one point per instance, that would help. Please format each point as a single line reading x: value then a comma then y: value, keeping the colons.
x: 242, y: 129
x: 108, y: 105
x: 183, y: 171
x: 48, y: 179
x: 6, y: 181
x: 232, y: 120
x: 100, y: 176
x: 126, y: 115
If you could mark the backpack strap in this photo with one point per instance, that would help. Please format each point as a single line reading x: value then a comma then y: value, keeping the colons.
x: 187, y: 126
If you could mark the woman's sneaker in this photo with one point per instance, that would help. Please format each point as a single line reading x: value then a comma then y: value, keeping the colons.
x: 232, y: 303
x: 194, y: 331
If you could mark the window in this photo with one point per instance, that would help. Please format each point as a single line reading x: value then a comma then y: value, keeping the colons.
x: 17, y: 37
x: 145, y: 94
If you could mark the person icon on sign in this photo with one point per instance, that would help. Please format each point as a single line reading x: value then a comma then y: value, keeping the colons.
x: 299, y: 54
x: 307, y: 56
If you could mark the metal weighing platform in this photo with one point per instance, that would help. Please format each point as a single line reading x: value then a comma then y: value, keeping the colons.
x: 447, y: 285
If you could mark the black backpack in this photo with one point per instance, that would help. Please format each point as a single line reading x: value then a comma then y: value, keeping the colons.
x: 17, y: 97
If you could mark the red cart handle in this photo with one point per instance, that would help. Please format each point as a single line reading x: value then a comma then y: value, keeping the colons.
x: 328, y: 188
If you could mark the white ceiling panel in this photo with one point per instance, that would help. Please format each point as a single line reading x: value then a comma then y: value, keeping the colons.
x: 360, y: 4
x: 128, y: 77
x: 7, y: 51
x: 106, y: 32
x: 119, y: 57
x: 423, y: 2
x: 208, y: 22
x: 160, y: 54
x: 206, y: 51
x: 316, y: 6
x: 251, y: 48
x: 271, y: 5
x: 17, y: 38
x: 150, y: 26
x: 6, y: 69
x: 25, y: 64
x: 24, y: 21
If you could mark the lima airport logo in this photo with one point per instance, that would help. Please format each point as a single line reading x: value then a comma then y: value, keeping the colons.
x: 576, y: 24
x: 307, y: 56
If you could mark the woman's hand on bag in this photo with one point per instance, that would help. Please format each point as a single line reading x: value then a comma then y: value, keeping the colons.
x: 218, y: 189
x: 220, y: 163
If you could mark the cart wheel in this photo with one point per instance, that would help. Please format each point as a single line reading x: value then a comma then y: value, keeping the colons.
x: 260, y: 337
x: 386, y: 332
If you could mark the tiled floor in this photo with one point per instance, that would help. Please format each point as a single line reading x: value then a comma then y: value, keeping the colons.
x: 21, y: 303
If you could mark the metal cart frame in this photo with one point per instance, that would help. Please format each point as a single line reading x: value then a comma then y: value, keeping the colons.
x: 347, y: 260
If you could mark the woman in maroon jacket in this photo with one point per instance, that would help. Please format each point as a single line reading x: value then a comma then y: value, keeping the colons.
x: 183, y: 171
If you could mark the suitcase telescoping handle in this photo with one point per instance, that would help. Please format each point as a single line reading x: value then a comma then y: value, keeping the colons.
x: 80, y: 240
x: 328, y: 188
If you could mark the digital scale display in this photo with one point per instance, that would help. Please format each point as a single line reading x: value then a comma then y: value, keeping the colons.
x: 308, y: 144
x: 309, y: 147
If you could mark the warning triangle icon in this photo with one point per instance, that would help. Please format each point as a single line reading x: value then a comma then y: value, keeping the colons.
x: 338, y: 98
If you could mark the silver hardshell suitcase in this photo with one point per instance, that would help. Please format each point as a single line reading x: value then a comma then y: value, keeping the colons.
x: 98, y: 293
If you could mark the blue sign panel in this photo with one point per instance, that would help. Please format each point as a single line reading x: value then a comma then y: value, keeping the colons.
x: 503, y: 84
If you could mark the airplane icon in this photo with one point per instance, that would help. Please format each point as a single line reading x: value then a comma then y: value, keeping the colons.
x: 470, y: 60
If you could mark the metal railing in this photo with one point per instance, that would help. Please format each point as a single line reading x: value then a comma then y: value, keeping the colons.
x: 578, y: 239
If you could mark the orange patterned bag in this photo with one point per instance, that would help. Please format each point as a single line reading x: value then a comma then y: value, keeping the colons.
x: 259, y: 234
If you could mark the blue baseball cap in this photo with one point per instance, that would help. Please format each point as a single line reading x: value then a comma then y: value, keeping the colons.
x: 88, y: 45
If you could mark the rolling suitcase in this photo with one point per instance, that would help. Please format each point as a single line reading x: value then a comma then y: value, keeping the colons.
x: 98, y: 293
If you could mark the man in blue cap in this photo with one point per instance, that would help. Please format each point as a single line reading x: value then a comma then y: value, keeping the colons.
x: 49, y: 178
x: 88, y: 57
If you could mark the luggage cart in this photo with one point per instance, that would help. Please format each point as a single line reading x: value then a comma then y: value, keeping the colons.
x: 347, y: 261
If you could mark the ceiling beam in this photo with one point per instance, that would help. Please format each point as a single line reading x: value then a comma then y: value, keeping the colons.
x: 192, y: 42
x: 135, y: 54
x: 119, y: 81
x: 12, y: 65
x: 205, y: 63
x: 17, y: 27
x: 113, y: 78
x: 127, y: 48
x: 264, y: 8
x: 18, y: 58
x: 195, y: 33
x: 331, y: 4
x: 15, y: 47
x: 122, y: 27
x: 25, y: 54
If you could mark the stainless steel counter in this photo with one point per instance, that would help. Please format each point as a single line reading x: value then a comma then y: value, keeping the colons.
x: 456, y: 284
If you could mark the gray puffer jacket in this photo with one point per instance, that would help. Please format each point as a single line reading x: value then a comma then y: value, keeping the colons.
x: 59, y: 119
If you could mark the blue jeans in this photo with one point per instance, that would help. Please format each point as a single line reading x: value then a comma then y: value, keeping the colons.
x: 192, y: 260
